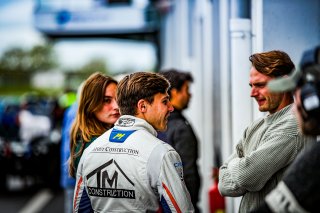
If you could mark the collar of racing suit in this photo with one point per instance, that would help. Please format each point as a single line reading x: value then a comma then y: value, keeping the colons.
x: 132, y: 122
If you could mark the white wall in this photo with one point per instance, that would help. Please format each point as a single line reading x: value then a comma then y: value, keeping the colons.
x: 295, y: 30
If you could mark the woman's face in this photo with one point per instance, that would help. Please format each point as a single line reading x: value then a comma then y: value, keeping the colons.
x: 109, y: 113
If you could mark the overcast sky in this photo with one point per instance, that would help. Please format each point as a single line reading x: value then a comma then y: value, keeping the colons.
x: 16, y: 30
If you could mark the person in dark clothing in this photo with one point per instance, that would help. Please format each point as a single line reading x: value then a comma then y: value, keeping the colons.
x: 299, y: 190
x: 180, y: 134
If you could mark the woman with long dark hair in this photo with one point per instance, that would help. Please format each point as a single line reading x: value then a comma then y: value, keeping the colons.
x: 97, y: 112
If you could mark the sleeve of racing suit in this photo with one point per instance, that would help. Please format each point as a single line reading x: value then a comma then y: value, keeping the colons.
x: 173, y: 194
x: 81, y: 200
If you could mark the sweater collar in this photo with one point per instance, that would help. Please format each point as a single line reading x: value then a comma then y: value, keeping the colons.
x: 275, y: 116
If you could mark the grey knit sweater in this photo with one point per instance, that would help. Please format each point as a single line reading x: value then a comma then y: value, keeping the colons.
x: 264, y: 152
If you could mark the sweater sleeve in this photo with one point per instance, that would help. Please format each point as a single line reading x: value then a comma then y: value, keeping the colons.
x: 300, y: 186
x: 227, y: 183
x: 251, y: 172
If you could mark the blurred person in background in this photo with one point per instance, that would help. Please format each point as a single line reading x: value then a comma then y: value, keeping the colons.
x: 97, y: 112
x: 66, y: 181
x: 128, y: 169
x: 33, y: 120
x: 180, y: 134
x: 299, y: 189
x: 67, y: 98
x: 271, y: 143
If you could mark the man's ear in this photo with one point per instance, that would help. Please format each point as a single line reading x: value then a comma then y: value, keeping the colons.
x: 142, y: 106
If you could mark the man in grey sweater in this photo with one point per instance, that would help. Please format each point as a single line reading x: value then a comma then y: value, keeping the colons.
x: 299, y: 190
x: 270, y: 143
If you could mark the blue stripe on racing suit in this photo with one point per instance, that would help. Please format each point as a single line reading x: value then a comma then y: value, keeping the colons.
x: 164, y: 205
x: 85, y: 204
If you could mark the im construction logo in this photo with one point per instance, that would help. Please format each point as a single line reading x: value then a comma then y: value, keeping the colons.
x: 106, y: 177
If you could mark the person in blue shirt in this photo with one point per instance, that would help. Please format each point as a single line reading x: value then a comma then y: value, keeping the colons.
x: 67, y: 182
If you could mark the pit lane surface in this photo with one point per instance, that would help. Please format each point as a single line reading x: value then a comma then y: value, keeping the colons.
x: 32, y: 200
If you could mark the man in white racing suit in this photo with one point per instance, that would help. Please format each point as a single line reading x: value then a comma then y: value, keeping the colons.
x: 127, y: 169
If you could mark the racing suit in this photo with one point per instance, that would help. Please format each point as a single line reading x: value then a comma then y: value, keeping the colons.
x: 127, y: 169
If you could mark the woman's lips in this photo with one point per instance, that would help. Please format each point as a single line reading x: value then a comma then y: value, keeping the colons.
x: 116, y: 115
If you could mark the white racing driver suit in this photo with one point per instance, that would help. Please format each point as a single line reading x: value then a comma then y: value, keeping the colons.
x: 128, y: 169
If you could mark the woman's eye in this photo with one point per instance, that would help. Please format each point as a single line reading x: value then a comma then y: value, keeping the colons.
x: 107, y: 100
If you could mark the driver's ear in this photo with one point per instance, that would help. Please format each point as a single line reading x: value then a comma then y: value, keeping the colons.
x: 142, y: 106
